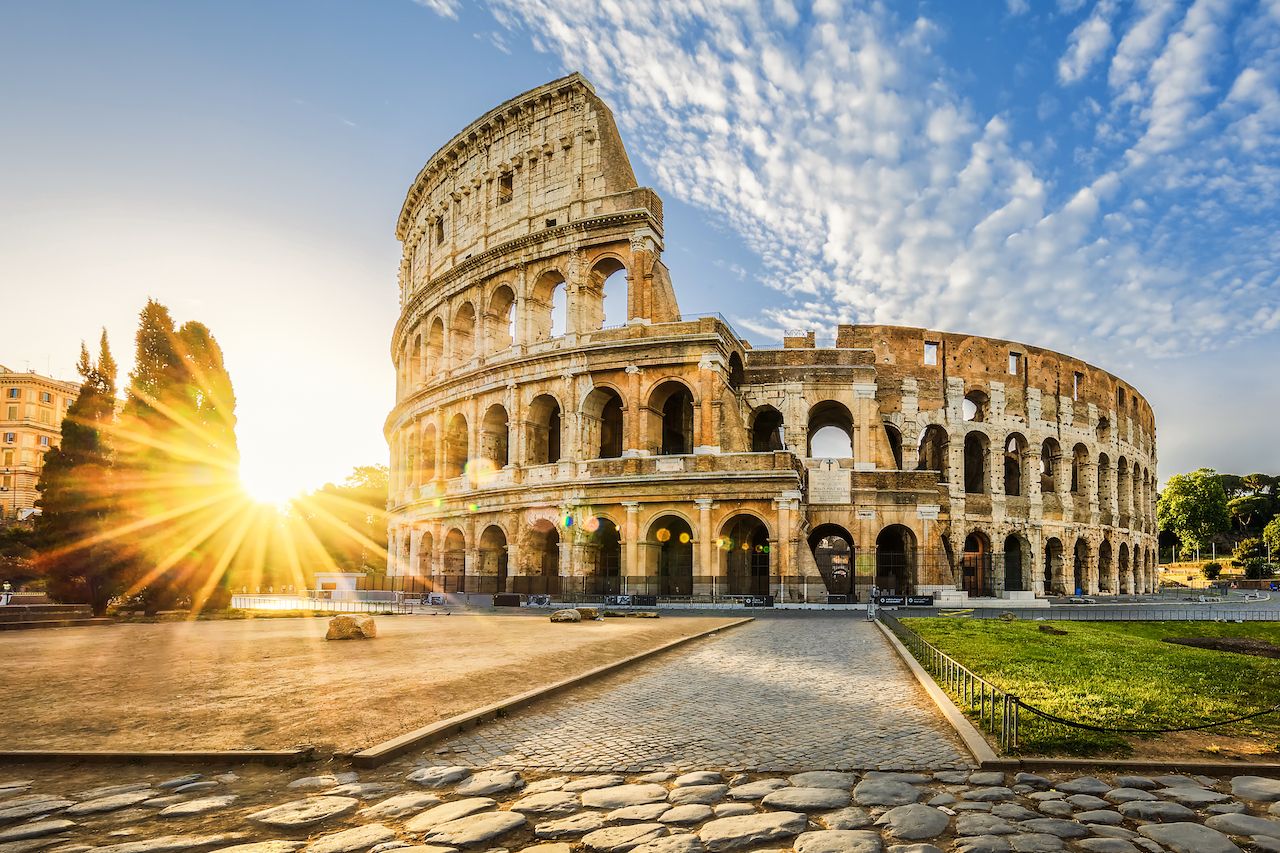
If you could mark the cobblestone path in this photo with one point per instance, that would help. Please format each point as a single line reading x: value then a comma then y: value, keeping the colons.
x: 778, y: 695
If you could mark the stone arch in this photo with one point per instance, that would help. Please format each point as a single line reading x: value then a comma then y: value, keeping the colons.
x: 1104, y: 429
x: 426, y: 553
x: 830, y: 431
x: 1104, y: 567
x: 543, y: 557
x: 604, y: 555
x: 976, y: 564
x: 833, y: 553
x: 462, y: 334
x: 1054, y: 570
x: 414, y: 472
x: 1124, y: 569
x: 454, y: 559
x: 544, y: 430
x: 896, y: 559
x: 500, y: 319
x: 1079, y: 459
x: 427, y: 454
x: 435, y: 348
x: 894, y: 435
x: 934, y: 442
x: 492, y: 556
x: 1016, y: 563
x: 744, y: 546
x: 976, y: 406
x: 977, y: 460
x: 605, y: 299
x: 766, y: 430
x: 1050, y: 460
x: 602, y: 420
x: 548, y: 306
x: 736, y: 371
x: 1124, y: 489
x: 1015, y: 465
x: 416, y: 373
x: 495, y: 436
x: 670, y: 414
x: 669, y: 546
x: 1104, y: 483
x: 1080, y: 567
x: 456, y: 447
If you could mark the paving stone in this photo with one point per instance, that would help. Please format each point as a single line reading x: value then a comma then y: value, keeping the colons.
x: 555, y: 783
x: 910, y: 778
x: 1227, y: 808
x: 914, y: 848
x: 1136, y: 782
x: 1104, y: 831
x: 361, y: 790
x: 730, y: 833
x: 1188, y: 838
x: 616, y: 839
x: 1084, y: 785
x: 983, y: 824
x: 657, y: 776
x: 982, y: 844
x: 265, y: 847
x: 400, y: 805
x: 588, y: 783
x: 1036, y: 842
x: 438, y: 777
x: 1193, y: 796
x: 705, y: 795
x: 201, y: 806
x: 807, y: 799
x: 1174, y: 780
x: 1274, y: 809
x: 1103, y: 816
x: 757, y: 790
x: 37, y: 829
x: 687, y: 814
x: 579, y: 824
x: 38, y: 806
x: 475, y: 829
x: 196, y: 787
x: 1162, y: 811
x: 351, y: 840
x: 942, y: 800
x: 733, y: 809
x: 619, y: 796
x: 29, y: 845
x: 447, y: 812
x: 699, y: 777
x: 161, y: 802
x: 173, y: 843
x: 643, y: 813
x: 885, y: 792
x: 952, y: 777
x: 1265, y: 843
x: 1242, y: 824
x: 683, y: 842
x: 823, y: 779
x: 839, y: 841
x: 1128, y: 795
x: 986, y: 777
x: 110, y: 790
x: 1032, y: 779
x: 556, y: 847
x: 179, y: 781
x: 1013, y: 811
x: 914, y: 822
x: 1106, y: 845
x: 993, y: 794
x: 1055, y: 826
x: 487, y: 782
x: 111, y: 803
x: 547, y: 803
x: 1089, y: 801
x: 966, y: 806
x: 1047, y: 795
x: 304, y: 813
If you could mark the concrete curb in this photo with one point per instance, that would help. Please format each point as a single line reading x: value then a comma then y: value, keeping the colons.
x: 279, y: 757
x: 389, y: 749
x: 969, y: 735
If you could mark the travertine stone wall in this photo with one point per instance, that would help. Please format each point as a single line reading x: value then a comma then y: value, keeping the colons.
x: 516, y: 440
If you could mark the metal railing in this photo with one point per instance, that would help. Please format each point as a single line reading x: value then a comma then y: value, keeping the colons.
x: 995, y: 710
x: 308, y: 600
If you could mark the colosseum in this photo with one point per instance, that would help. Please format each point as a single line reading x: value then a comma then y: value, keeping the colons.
x: 561, y: 427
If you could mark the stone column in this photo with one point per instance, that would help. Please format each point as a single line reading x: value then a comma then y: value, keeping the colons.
x: 705, y: 541
x: 633, y: 416
x: 631, y: 541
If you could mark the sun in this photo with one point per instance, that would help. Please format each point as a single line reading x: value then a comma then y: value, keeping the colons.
x: 264, y: 488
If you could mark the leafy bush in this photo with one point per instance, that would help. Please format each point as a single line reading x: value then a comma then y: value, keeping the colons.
x: 1212, y: 571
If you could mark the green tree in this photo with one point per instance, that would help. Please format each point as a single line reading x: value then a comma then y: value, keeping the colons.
x: 73, y: 532
x: 1212, y: 571
x: 1193, y: 507
x: 350, y: 520
x: 1256, y: 482
x: 1271, y: 536
x: 1233, y: 485
x: 18, y: 554
x: 1250, y: 549
x: 1248, y: 510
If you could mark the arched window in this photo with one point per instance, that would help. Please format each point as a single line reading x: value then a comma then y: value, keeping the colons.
x: 670, y: 546
x: 493, y: 559
x: 895, y: 444
x: 1104, y: 483
x: 896, y: 559
x: 1122, y: 486
x: 435, y: 349
x: 736, y: 371
x: 1015, y: 454
x: 671, y: 419
x: 833, y: 551
x: 544, y: 430
x: 1080, y: 567
x: 605, y: 299
x: 766, y: 430
x: 426, y: 551
x: 975, y: 565
x: 602, y: 422
x: 463, y: 334
x: 933, y: 451
x: 427, y: 456
x: 1013, y: 574
x: 544, y: 550
x: 494, y: 434
x: 605, y: 556
x: 415, y: 363
x: 1126, y: 578
x: 548, y: 307
x: 1079, y: 459
x: 744, y: 542
x: 1050, y: 459
x: 1054, y: 578
x: 455, y: 561
x: 974, y: 407
x: 456, y: 449
x: 414, y: 474
x: 1104, y: 430
x: 830, y: 431
x: 500, y: 320
x: 976, y: 463
x: 1104, y: 567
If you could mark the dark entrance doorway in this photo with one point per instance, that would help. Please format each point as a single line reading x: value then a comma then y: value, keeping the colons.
x: 833, y: 551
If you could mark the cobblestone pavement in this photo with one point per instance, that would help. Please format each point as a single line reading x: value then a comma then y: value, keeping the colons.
x: 780, y: 694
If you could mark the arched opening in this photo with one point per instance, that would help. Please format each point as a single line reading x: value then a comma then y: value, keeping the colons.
x: 1104, y: 430
x: 975, y: 565
x: 1104, y: 567
x: 1079, y: 459
x: 500, y: 320
x: 896, y: 560
x: 1122, y: 563
x: 1050, y: 459
x: 548, y: 307
x: 494, y: 436
x: 543, y: 440
x: 493, y: 559
x: 1015, y: 454
x: 1080, y: 567
x: 895, y: 444
x: 974, y: 407
x: 602, y: 422
x: 544, y: 559
x: 426, y: 551
x: 413, y: 474
x: 462, y: 336
x: 1054, y: 582
x: 976, y: 458
x: 456, y: 449
x: 455, y: 561
x: 1013, y: 575
x: 671, y: 419
x: 1122, y: 489
x: 830, y: 431
x: 832, y: 548
x: 744, y: 541
x: 933, y: 451
x: 766, y: 430
x: 605, y: 557
x: 670, y: 545
x: 606, y: 296
x: 415, y: 363
x: 1104, y: 483
x: 736, y: 372
x: 427, y: 454
x: 435, y: 349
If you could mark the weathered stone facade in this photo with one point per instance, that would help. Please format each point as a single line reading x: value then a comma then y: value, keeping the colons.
x: 528, y: 446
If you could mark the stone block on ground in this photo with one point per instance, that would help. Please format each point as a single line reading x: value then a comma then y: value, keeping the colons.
x: 475, y: 829
x: 304, y: 813
x: 345, y: 627
x: 566, y: 616
x: 839, y: 841
x: 731, y: 833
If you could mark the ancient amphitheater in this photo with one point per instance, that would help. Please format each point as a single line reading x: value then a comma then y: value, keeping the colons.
x: 561, y: 427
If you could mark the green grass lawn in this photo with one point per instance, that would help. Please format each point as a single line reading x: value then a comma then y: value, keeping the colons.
x: 1116, y: 674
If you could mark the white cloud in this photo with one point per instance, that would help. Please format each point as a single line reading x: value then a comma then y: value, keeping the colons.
x: 1088, y: 43
x: 443, y: 8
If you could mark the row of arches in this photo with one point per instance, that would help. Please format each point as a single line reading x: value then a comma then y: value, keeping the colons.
x: 504, y: 315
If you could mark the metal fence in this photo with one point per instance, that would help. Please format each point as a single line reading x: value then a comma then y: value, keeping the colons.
x: 310, y: 601
x: 1147, y: 613
x: 994, y: 709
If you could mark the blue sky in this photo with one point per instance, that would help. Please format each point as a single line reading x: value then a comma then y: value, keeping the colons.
x: 1096, y: 177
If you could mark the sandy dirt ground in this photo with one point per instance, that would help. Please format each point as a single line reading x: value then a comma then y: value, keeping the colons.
x: 276, y: 683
